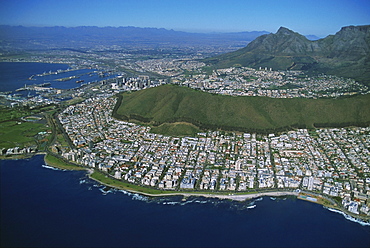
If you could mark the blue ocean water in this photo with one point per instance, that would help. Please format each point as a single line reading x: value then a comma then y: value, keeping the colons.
x: 42, y: 207
x: 15, y: 75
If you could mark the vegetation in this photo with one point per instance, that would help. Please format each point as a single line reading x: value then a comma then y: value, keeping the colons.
x: 171, y: 104
x: 61, y: 140
x: 7, y: 114
x: 176, y: 129
x: 111, y: 182
x: 344, y: 54
x: 21, y: 126
x: 319, y: 200
x: 73, y: 101
x: 105, y: 179
x: 57, y: 162
x: 19, y: 133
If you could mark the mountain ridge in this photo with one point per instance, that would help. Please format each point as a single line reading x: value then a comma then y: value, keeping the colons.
x: 92, y: 36
x: 85, y: 37
x: 346, y: 54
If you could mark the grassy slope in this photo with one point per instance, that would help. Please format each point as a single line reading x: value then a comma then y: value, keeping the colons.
x: 16, y: 132
x: 122, y: 185
x: 170, y: 103
x: 59, y: 163
x: 13, y: 134
x: 176, y: 129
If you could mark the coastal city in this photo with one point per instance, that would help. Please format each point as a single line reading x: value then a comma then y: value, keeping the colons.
x: 332, y: 162
x: 244, y: 81
x: 189, y: 71
x: 235, y: 81
x: 161, y: 123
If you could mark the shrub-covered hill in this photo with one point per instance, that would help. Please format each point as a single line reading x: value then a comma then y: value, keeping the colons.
x: 169, y: 103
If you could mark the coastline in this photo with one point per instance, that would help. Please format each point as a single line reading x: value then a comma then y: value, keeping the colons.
x: 57, y: 162
x: 230, y: 196
x: 363, y: 220
x: 21, y: 156
x: 239, y: 196
x: 81, y: 200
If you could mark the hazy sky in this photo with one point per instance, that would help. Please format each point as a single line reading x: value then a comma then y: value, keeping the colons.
x: 319, y: 17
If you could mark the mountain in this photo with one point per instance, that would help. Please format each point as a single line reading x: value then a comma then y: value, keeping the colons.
x: 312, y: 37
x: 170, y: 104
x: 88, y: 37
x: 346, y: 54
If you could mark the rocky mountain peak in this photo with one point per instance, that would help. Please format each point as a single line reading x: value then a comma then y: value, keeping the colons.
x: 284, y: 31
x: 346, y: 54
x: 284, y: 41
x: 364, y: 28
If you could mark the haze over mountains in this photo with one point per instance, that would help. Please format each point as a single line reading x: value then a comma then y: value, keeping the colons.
x: 92, y: 37
x: 347, y: 53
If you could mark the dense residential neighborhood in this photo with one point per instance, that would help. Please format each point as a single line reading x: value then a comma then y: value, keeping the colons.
x: 244, y: 81
x: 332, y: 162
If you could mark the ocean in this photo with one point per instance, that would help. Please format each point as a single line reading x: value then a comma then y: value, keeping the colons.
x: 45, y: 207
x: 14, y: 75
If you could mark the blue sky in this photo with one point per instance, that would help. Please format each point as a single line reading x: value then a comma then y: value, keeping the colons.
x: 318, y: 17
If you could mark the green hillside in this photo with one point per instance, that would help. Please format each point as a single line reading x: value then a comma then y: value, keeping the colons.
x: 176, y: 129
x: 169, y: 104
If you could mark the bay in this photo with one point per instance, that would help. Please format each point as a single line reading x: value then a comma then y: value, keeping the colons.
x: 42, y: 207
x: 14, y: 75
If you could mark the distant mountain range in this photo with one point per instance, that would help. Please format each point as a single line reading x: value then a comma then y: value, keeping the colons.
x: 88, y: 37
x: 347, y: 53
